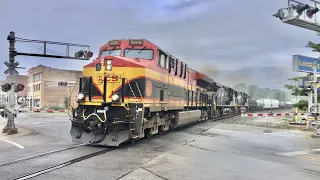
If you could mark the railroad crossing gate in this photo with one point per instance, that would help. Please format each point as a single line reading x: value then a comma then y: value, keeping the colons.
x: 271, y: 114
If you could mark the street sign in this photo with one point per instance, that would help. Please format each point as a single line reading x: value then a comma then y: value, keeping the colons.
x: 304, y: 64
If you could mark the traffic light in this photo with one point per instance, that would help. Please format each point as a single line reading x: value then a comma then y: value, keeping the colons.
x: 62, y: 83
x: 279, y: 14
x: 311, y: 11
x: 301, y: 7
x: 19, y: 87
x: 6, y: 87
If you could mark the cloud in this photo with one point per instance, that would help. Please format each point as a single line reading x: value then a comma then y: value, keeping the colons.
x: 210, y: 35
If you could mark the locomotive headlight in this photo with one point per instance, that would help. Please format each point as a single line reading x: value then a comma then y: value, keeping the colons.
x: 80, y: 96
x: 115, y: 97
x: 109, y: 62
x: 109, y: 67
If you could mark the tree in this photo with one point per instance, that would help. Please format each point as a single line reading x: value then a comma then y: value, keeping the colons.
x: 241, y: 87
x: 66, y: 102
x: 314, y: 46
x: 295, y: 90
x: 253, y: 90
x: 302, y: 105
x: 280, y: 95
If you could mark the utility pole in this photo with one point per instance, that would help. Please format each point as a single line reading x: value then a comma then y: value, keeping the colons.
x: 12, y: 65
x: 315, y: 83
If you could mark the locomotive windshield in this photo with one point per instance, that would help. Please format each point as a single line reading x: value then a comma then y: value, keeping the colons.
x: 111, y: 52
x: 139, y: 53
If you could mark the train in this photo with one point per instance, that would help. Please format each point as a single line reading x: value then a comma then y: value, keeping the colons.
x: 134, y: 89
x: 268, y: 104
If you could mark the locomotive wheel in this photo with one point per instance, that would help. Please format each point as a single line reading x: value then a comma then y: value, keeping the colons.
x: 147, y: 133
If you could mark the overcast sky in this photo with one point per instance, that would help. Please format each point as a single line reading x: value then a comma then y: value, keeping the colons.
x: 207, y: 34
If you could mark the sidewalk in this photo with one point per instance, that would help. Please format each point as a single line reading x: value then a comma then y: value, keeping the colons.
x: 22, y: 131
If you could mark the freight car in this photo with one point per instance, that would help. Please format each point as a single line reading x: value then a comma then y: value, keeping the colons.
x: 135, y: 89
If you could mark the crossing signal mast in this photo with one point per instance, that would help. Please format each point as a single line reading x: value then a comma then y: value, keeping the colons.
x: 12, y: 65
x: 294, y: 17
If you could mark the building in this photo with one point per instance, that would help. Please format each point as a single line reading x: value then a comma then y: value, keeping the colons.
x: 44, y: 91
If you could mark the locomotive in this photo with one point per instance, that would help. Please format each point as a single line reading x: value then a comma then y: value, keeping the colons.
x: 134, y: 89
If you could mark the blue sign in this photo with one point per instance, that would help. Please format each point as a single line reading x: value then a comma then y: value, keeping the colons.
x: 304, y: 64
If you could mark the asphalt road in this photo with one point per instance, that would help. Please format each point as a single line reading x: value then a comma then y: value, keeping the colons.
x: 45, y: 133
x: 210, y: 150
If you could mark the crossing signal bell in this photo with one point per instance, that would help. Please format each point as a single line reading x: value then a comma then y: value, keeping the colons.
x: 62, y: 83
x: 311, y: 11
x: 19, y: 87
x: 6, y: 87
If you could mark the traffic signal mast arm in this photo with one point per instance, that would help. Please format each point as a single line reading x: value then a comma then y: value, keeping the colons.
x: 87, y: 54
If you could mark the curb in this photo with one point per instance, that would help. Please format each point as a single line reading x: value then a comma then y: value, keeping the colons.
x: 50, y: 111
x: 315, y: 136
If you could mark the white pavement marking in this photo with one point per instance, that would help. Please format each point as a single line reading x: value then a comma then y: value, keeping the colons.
x: 18, y: 145
x: 42, y: 125
x: 37, y: 123
x: 296, y: 153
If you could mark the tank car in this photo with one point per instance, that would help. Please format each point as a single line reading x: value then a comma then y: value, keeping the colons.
x: 253, y: 105
x: 260, y: 104
x: 282, y: 105
x: 270, y: 104
x: 134, y: 89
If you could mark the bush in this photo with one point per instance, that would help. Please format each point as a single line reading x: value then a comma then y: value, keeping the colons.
x: 56, y: 108
x: 302, y: 105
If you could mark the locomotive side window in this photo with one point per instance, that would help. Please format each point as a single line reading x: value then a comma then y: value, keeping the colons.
x: 181, y: 69
x: 172, y: 62
x: 176, y: 69
x: 167, y: 62
x: 185, y: 71
x: 162, y: 59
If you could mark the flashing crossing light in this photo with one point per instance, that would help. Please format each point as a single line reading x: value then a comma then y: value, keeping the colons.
x: 311, y: 11
x: 88, y: 54
x: 62, y: 83
x: 6, y: 87
x: 19, y: 87
x: 279, y: 14
x: 85, y: 54
x: 79, y: 54
x: 301, y: 7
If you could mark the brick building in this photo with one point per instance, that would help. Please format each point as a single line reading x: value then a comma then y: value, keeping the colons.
x: 44, y: 91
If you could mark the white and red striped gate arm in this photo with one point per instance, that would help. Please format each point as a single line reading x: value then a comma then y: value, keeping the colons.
x: 271, y: 114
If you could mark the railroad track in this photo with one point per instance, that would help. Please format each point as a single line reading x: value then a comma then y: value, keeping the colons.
x: 80, y: 158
